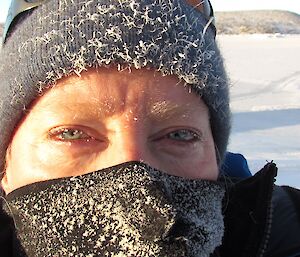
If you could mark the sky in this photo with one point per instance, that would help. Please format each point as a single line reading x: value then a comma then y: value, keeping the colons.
x: 234, y: 5
x: 219, y: 5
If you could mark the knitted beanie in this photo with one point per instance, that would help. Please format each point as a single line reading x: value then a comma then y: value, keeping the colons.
x: 63, y: 37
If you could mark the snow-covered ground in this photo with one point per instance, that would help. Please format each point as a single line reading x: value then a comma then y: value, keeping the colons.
x: 265, y: 97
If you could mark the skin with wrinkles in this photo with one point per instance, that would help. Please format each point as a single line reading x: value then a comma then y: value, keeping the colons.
x: 116, y: 117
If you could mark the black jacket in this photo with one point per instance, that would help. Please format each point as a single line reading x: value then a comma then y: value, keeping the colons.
x: 261, y: 220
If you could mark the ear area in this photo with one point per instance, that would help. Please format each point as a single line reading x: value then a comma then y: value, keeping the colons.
x: 4, y: 186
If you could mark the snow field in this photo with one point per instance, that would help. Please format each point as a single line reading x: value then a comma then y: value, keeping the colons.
x: 265, y: 98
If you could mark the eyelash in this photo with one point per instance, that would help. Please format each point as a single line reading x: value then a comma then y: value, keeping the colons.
x: 57, y: 134
x: 195, y: 136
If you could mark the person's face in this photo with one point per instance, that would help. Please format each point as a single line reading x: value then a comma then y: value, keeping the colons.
x: 107, y: 117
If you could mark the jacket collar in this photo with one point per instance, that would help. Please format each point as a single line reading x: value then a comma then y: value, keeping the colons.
x: 248, y: 214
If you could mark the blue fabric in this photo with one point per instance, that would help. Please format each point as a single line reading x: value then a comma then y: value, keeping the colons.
x: 235, y: 165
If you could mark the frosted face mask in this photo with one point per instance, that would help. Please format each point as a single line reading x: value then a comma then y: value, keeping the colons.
x: 126, y: 210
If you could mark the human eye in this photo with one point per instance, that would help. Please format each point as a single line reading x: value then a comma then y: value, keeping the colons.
x: 69, y: 134
x: 184, y: 136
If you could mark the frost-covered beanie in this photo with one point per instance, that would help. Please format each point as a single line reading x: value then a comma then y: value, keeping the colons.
x: 63, y: 37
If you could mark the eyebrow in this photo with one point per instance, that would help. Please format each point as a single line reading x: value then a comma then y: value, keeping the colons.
x: 155, y: 111
x: 165, y: 110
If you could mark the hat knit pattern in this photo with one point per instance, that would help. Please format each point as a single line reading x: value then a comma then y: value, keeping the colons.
x: 67, y: 37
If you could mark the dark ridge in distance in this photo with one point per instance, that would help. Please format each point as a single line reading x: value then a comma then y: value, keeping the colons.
x: 261, y: 22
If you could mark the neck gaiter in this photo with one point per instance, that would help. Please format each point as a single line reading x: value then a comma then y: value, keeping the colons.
x: 126, y: 210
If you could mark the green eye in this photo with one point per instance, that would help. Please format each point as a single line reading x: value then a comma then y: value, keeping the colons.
x: 183, y: 135
x: 71, y: 134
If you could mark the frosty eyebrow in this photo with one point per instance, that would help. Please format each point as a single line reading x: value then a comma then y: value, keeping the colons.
x: 162, y: 110
x: 165, y: 110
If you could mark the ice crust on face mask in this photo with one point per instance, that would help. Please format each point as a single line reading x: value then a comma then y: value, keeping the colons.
x: 127, y: 210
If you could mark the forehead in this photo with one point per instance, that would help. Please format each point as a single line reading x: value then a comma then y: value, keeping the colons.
x: 108, y: 90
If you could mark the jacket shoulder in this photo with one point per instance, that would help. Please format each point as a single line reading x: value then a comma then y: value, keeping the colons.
x: 261, y: 219
x: 248, y: 215
x: 285, y: 229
